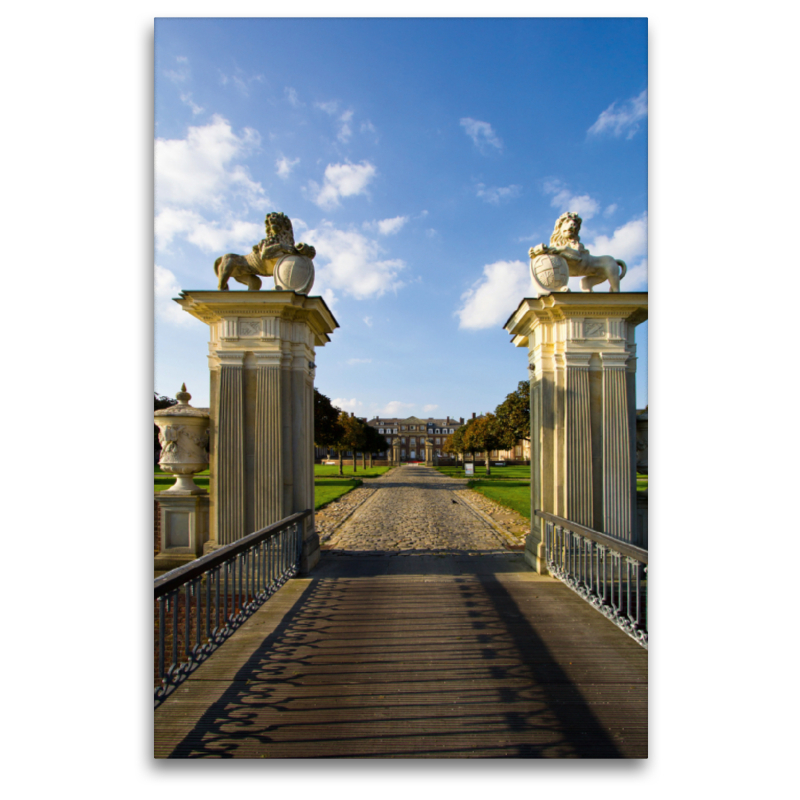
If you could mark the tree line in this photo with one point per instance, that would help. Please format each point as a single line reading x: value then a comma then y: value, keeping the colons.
x: 337, y: 430
x: 501, y: 430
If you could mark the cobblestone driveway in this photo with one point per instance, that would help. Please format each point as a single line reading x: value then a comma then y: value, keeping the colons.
x: 415, y: 509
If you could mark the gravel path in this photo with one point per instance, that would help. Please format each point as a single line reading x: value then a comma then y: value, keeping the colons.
x: 415, y: 509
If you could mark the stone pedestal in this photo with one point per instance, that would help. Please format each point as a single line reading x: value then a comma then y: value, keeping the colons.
x: 428, y: 453
x: 184, y: 528
x: 261, y: 357
x: 582, y: 365
x: 396, y: 453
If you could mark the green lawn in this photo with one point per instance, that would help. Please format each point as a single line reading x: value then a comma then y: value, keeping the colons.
x: 516, y: 473
x: 329, y: 489
x: 325, y: 490
x: 332, y: 471
x: 511, y: 494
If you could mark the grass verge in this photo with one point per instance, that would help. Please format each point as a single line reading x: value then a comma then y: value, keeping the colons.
x: 515, y: 473
x: 331, y: 489
x: 515, y: 495
x: 332, y: 471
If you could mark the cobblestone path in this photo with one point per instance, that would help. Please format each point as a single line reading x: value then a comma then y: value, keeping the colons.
x: 415, y: 509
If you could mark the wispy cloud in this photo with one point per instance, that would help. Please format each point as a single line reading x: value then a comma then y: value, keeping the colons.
x: 368, y: 321
x: 351, y: 263
x: 180, y: 73
x: 565, y: 200
x: 341, y: 180
x: 491, y: 299
x: 497, y: 194
x: 353, y: 361
x: 353, y: 405
x: 395, y: 408
x: 291, y: 96
x: 430, y: 408
x: 622, y: 119
x: 165, y: 288
x: 186, y: 98
x: 284, y: 166
x: 482, y: 134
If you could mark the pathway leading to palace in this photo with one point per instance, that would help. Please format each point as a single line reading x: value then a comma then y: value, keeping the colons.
x: 418, y: 635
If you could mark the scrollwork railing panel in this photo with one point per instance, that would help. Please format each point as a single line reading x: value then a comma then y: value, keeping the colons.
x: 608, y: 574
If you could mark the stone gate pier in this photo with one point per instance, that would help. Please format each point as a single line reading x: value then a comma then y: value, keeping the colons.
x: 582, y: 366
x: 261, y: 448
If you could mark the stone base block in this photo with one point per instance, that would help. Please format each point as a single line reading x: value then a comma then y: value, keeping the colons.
x: 535, y: 554
x: 167, y: 561
x: 184, y: 527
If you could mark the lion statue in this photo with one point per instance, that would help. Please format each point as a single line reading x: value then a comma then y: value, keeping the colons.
x: 265, y: 254
x: 566, y: 242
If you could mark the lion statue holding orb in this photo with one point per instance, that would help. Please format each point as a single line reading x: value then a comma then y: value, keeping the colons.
x: 575, y: 260
x: 277, y: 255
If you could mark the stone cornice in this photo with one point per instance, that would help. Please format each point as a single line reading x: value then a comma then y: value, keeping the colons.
x: 214, y: 306
x: 630, y: 306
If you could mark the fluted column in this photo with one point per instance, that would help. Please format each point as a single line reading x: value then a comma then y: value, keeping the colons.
x: 617, y: 500
x: 268, y: 466
x: 578, y: 440
x: 230, y: 508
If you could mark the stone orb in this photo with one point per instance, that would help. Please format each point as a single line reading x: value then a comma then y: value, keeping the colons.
x: 551, y: 272
x: 294, y: 273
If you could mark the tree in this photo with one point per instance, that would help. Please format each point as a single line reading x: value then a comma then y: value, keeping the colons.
x: 327, y: 427
x: 485, y: 434
x: 375, y: 442
x: 455, y: 443
x: 158, y: 404
x: 514, y: 413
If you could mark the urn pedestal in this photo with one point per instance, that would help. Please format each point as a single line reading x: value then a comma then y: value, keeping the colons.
x: 582, y: 367
x: 261, y: 358
x: 183, y: 508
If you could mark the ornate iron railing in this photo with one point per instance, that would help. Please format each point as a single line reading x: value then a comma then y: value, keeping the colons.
x: 608, y: 573
x: 201, y: 604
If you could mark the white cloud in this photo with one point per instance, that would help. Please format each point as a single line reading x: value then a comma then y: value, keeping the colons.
x: 564, y: 200
x: 212, y: 237
x: 165, y: 288
x: 386, y: 227
x: 353, y: 361
x: 481, y: 133
x: 493, y: 298
x: 624, y: 119
x: 395, y: 408
x: 353, y: 405
x: 342, y: 180
x: 200, y: 170
x: 429, y: 408
x: 291, y: 96
x: 496, y: 194
x: 350, y: 262
x: 285, y: 165
x: 628, y: 242
x: 368, y: 321
x: 368, y: 127
x: 610, y: 210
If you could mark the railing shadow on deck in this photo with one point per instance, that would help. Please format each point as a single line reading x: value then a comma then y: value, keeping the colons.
x: 283, y: 672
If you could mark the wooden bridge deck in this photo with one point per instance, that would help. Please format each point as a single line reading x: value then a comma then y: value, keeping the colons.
x: 412, y: 657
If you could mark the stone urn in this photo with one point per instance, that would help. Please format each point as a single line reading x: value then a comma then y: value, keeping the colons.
x: 183, y: 434
x: 550, y: 273
x: 294, y: 273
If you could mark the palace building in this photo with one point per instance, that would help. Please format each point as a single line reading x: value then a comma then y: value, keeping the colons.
x: 413, y: 431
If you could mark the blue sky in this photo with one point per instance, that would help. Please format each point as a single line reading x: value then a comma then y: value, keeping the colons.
x: 422, y: 158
